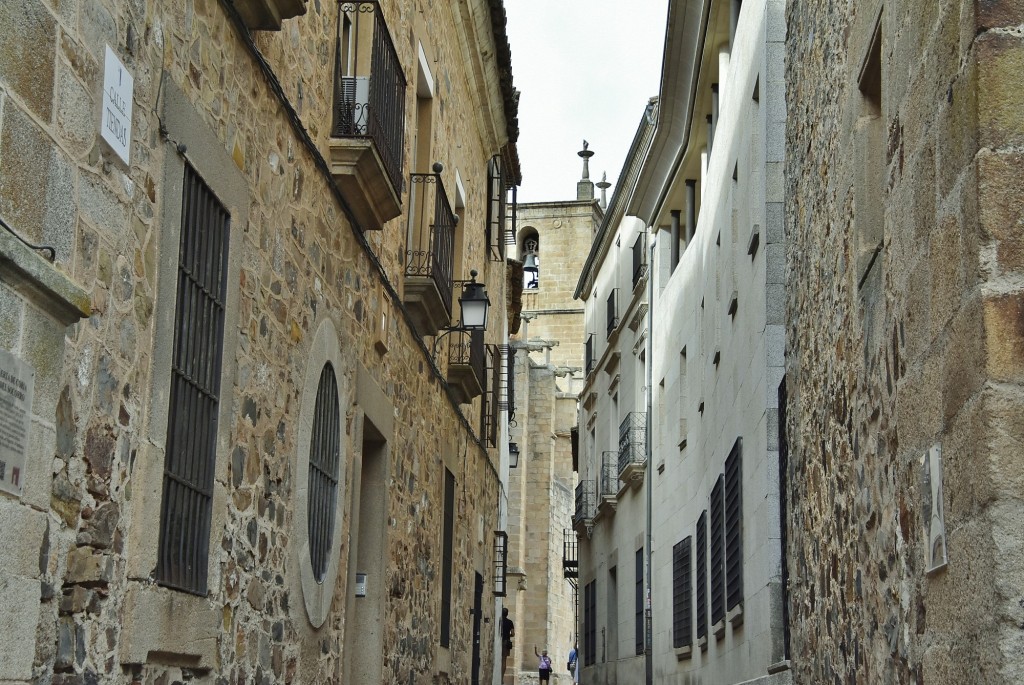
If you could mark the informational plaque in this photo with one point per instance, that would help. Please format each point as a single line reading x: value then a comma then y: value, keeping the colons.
x: 17, y: 380
x: 116, y: 122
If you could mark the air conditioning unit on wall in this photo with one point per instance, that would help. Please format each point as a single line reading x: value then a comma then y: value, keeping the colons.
x: 355, y: 104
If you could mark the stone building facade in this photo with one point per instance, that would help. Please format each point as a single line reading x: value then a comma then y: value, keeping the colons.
x: 548, y: 376
x: 904, y: 344
x: 245, y: 450
x: 678, y: 507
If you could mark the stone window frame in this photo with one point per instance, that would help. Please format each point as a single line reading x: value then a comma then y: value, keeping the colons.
x: 154, y: 615
x: 318, y: 595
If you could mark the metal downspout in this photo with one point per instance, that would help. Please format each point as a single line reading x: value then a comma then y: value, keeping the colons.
x: 649, y: 369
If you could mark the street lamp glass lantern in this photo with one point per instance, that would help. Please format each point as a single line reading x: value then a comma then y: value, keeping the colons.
x: 513, y: 455
x: 473, y: 305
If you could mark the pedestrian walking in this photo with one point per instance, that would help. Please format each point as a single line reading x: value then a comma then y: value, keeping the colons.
x: 574, y: 664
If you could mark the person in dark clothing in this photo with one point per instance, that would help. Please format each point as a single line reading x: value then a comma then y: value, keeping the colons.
x: 508, y: 631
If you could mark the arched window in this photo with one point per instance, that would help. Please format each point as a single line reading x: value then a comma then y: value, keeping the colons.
x: 324, y: 452
x: 529, y: 255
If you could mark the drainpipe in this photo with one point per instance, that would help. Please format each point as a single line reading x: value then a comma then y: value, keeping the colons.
x: 649, y: 627
x: 734, y: 18
x: 691, y: 210
x: 675, y: 241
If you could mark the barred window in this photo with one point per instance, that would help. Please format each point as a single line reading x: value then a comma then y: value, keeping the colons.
x: 717, y: 554
x: 639, y: 618
x: 682, y: 597
x: 324, y: 453
x: 446, y: 558
x: 590, y: 623
x: 734, y: 526
x: 192, y: 415
x: 701, y: 578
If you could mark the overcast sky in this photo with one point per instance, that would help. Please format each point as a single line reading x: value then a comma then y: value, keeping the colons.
x: 586, y: 69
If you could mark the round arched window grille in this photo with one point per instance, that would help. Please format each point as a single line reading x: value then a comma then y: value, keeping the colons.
x: 324, y: 452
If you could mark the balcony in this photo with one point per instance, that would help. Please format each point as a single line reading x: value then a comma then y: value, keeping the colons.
x: 613, y: 311
x: 633, y: 448
x: 590, y: 360
x: 428, y: 261
x: 267, y: 15
x: 466, y: 364
x: 608, y: 483
x: 570, y: 555
x: 639, y: 262
x: 368, y: 130
x: 583, y: 517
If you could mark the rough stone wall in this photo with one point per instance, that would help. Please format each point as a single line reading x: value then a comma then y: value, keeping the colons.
x: 926, y: 351
x: 300, y: 262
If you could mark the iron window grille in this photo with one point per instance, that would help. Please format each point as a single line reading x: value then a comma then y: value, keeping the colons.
x: 432, y: 248
x: 700, y: 595
x: 191, y: 447
x: 585, y: 503
x: 497, y: 206
x: 570, y: 554
x: 639, y: 263
x: 590, y: 623
x: 509, y: 402
x: 682, y: 598
x: 717, y: 552
x: 500, y: 563
x: 734, y: 526
x: 369, y: 105
x: 490, y: 405
x: 613, y: 312
x: 639, y: 615
x: 632, y: 440
x: 591, y: 361
x: 324, y: 458
x: 446, y: 558
x: 609, y: 474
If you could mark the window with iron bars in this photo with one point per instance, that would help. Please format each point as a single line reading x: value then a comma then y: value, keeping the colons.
x: 497, y: 206
x: 638, y: 626
x: 324, y: 458
x: 717, y: 553
x: 639, y: 261
x: 446, y: 558
x: 492, y: 399
x: 613, y: 312
x: 590, y: 623
x: 191, y: 448
x: 734, y: 526
x: 682, y: 597
x: 590, y: 360
x: 500, y: 563
x: 700, y: 594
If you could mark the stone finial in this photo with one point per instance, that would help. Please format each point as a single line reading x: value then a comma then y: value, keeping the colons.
x: 604, y: 185
x: 585, y: 189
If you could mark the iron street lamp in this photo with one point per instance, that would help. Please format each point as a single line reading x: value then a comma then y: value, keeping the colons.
x: 513, y: 455
x: 473, y: 305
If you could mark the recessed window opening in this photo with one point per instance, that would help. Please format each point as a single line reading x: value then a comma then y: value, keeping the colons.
x: 324, y: 458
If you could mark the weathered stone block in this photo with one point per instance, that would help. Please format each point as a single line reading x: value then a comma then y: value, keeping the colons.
x: 87, y: 567
x: 1004, y: 331
x: 27, y: 54
x: 21, y: 524
x: 12, y: 308
x: 1000, y: 90
x: 1001, y: 205
x: 18, y: 625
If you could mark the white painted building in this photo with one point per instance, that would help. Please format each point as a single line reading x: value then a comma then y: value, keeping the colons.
x: 690, y: 496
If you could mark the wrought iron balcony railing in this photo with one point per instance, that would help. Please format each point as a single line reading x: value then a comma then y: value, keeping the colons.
x: 590, y: 360
x: 369, y: 99
x: 433, y: 235
x: 585, y: 501
x: 466, y: 348
x: 613, y: 313
x: 639, y: 265
x: 632, y: 440
x: 570, y: 554
x: 609, y: 475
